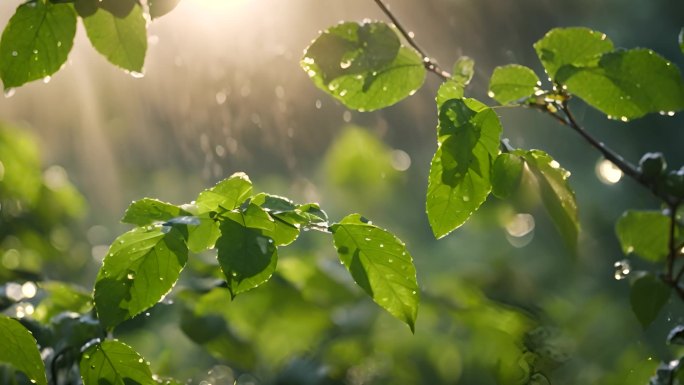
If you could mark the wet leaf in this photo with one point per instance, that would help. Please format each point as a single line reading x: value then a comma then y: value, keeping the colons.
x: 459, y: 181
x: 644, y: 233
x: 363, y: 65
x: 122, y: 40
x: 114, y: 363
x: 557, y: 196
x: 19, y: 349
x: 648, y: 295
x: 627, y: 84
x: 511, y: 83
x: 246, y: 255
x: 148, y: 211
x: 140, y: 268
x: 576, y: 47
x: 506, y: 174
x: 28, y: 56
x: 226, y: 195
x: 380, y: 264
x: 463, y: 70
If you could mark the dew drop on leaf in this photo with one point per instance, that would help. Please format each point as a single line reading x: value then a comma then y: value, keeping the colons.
x: 622, y: 269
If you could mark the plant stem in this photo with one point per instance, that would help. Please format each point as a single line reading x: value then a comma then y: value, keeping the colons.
x: 429, y: 63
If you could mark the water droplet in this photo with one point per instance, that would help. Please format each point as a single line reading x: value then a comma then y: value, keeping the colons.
x: 15, y: 53
x: 381, y: 245
x: 624, y: 119
x: 92, y: 366
x: 412, y: 92
x: 140, y: 360
x: 390, y: 260
x: 491, y: 94
x: 343, y: 92
x: 345, y: 64
x: 35, y: 52
x: 121, y: 241
x: 9, y: 92
x: 465, y: 198
x: 622, y: 269
x: 130, y: 276
x: 146, y: 315
x: 137, y: 75
x: 318, y: 104
x: 414, y: 292
x: 47, y: 79
x: 59, y: 43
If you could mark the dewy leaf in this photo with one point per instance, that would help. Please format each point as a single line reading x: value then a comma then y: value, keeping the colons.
x: 380, y: 264
x: 123, y: 41
x: 627, y: 84
x: 147, y: 211
x: 459, y: 181
x: 363, y: 65
x: 204, y: 235
x: 247, y: 257
x: 577, y: 47
x: 20, y: 350
x: 227, y: 194
x: 114, y: 363
x: 648, y: 295
x: 511, y: 83
x: 160, y: 8
x: 36, y: 42
x: 140, y: 268
x: 644, y: 233
x: 450, y: 89
x: 463, y: 70
x: 506, y: 174
x: 556, y: 194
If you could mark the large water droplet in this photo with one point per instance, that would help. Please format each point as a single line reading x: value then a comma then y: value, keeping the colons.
x: 622, y: 269
x: 9, y: 92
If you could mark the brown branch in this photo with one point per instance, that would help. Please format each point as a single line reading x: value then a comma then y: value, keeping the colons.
x: 429, y: 63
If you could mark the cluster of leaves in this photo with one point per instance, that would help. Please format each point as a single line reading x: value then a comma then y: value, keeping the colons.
x: 246, y: 230
x: 38, y: 38
x: 356, y: 63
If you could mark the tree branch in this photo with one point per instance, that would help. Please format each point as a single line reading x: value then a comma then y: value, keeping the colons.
x: 429, y: 63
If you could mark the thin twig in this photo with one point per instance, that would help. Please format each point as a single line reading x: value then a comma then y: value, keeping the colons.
x: 430, y: 64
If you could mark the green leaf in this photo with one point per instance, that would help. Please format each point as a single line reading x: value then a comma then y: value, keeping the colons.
x: 226, y: 195
x: 577, y: 47
x: 463, y: 70
x: 363, y: 65
x: 114, y: 363
x: 511, y: 83
x: 644, y: 233
x: 450, y: 89
x: 247, y: 257
x: 204, y: 235
x: 36, y: 42
x: 160, y: 8
x: 148, y: 211
x: 557, y: 196
x: 62, y: 297
x: 380, y: 264
x: 627, y: 84
x: 648, y: 295
x: 20, y: 350
x: 459, y: 181
x: 141, y: 267
x: 122, y: 40
x: 506, y: 174
x: 287, y: 220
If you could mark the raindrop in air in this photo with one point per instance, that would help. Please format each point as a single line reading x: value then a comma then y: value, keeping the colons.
x: 622, y: 269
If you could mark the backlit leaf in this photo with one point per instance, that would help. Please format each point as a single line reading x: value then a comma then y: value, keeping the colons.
x: 20, y: 350
x: 577, y: 47
x: 463, y: 70
x: 246, y: 255
x: 506, y: 174
x: 148, y: 211
x: 140, y: 268
x: 557, y: 196
x: 644, y: 233
x: 648, y: 295
x: 459, y: 181
x: 122, y: 40
x: 380, y: 264
x: 160, y: 8
x: 36, y: 42
x: 511, y: 83
x: 226, y: 195
x: 363, y: 65
x: 627, y: 84
x: 114, y: 363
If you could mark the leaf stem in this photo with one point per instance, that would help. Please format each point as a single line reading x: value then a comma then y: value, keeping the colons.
x: 430, y: 64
